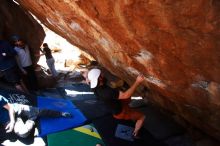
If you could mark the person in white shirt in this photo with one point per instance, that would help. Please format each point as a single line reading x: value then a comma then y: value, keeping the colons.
x: 25, y: 63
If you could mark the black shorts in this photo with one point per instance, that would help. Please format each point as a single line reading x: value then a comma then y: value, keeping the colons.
x: 12, y: 75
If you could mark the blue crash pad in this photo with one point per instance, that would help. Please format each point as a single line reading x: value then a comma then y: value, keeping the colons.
x: 51, y: 125
x: 54, y: 103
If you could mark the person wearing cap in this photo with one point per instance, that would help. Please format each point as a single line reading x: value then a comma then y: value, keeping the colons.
x: 25, y: 63
x: 117, y: 100
x: 9, y: 67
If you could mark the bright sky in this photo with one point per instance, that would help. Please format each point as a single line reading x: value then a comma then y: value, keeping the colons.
x: 68, y: 50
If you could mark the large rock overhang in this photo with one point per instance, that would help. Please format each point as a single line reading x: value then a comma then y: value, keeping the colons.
x: 174, y: 44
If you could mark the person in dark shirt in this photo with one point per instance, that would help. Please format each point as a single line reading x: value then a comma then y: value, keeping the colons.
x: 8, y: 66
x: 49, y: 59
x: 117, y: 100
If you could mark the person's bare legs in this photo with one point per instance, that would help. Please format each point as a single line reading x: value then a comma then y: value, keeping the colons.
x: 18, y: 87
x: 24, y: 87
x: 21, y: 87
x: 139, y: 123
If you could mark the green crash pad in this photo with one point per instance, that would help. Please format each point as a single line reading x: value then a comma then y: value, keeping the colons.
x: 82, y: 136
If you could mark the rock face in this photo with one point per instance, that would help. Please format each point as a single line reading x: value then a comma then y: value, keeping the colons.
x: 174, y: 44
x: 17, y: 21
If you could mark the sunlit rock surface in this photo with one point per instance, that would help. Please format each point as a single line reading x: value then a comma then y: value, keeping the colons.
x: 174, y: 44
x: 17, y: 21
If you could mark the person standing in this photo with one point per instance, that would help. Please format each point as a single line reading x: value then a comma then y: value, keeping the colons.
x: 25, y: 63
x: 49, y: 59
x: 9, y: 67
x: 117, y: 100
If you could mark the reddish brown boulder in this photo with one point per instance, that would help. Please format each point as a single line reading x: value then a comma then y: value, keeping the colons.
x: 174, y: 44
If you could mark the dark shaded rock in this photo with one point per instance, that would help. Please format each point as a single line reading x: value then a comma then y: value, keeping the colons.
x: 18, y: 21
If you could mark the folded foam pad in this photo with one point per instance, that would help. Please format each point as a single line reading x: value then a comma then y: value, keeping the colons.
x: 86, y: 135
x: 86, y: 101
x: 80, y: 87
x: 124, y: 132
x: 15, y: 96
x: 92, y: 108
x: 54, y: 103
x: 107, y: 127
x: 51, y: 125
